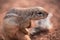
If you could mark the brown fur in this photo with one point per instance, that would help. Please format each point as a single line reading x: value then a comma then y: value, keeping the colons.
x: 17, y: 21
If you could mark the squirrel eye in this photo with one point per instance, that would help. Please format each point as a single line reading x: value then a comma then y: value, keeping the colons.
x: 39, y: 13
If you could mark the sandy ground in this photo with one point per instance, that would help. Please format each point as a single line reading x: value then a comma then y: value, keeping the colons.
x: 52, y: 6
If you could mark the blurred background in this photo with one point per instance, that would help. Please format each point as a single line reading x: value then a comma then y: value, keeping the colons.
x: 52, y: 6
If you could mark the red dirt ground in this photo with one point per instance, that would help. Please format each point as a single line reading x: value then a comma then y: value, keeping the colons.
x: 52, y: 6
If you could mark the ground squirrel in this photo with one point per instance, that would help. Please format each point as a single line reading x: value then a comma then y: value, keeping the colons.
x: 18, y: 19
